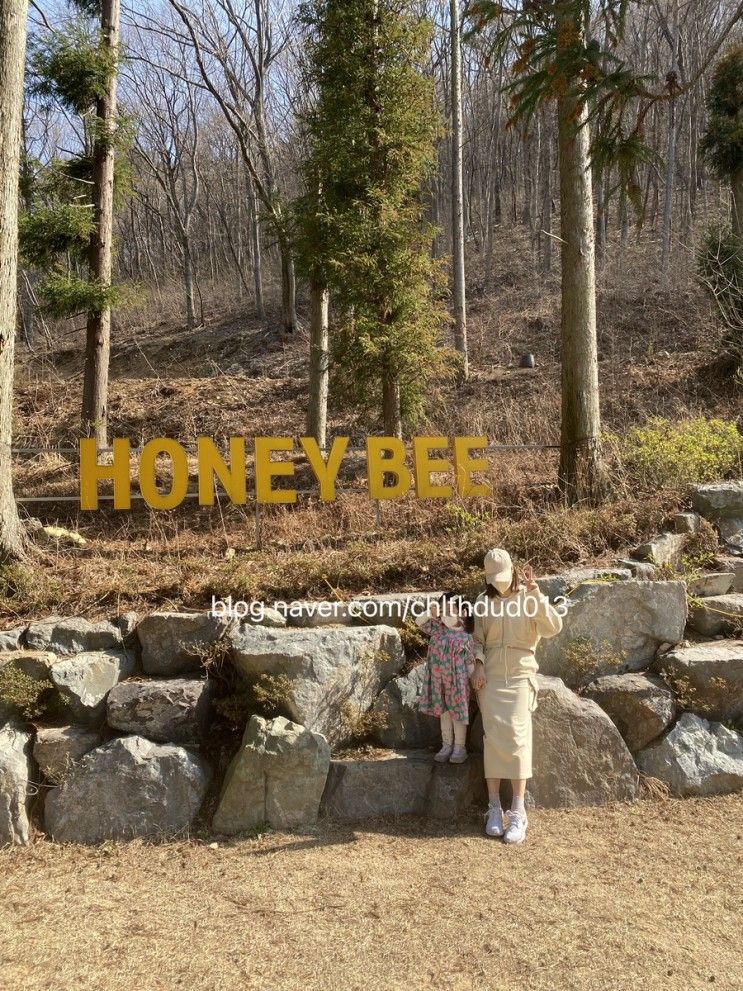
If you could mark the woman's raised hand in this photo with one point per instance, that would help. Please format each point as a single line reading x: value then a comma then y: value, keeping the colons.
x: 528, y: 572
x: 478, y: 676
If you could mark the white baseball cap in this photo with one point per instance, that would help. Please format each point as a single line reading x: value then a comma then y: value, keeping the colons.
x: 498, y: 565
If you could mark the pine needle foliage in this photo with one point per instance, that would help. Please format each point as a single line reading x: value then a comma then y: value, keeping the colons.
x: 722, y: 143
x: 362, y: 229
x: 71, y: 67
x: 572, y: 46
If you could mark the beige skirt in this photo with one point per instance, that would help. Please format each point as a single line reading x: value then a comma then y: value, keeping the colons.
x: 506, y: 718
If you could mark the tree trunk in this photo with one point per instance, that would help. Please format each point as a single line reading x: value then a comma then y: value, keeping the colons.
x: 736, y: 219
x: 98, y: 343
x: 600, y: 217
x: 546, y: 234
x: 288, y: 288
x: 460, y: 302
x: 581, y: 469
x: 317, y: 411
x: 13, y: 14
x: 188, y: 282
x: 391, y: 408
x: 257, y: 254
x: 666, y: 236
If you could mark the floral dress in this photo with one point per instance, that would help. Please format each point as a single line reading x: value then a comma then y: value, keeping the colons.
x: 446, y: 686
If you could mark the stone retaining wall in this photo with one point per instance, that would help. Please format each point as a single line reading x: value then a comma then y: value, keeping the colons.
x: 112, y: 721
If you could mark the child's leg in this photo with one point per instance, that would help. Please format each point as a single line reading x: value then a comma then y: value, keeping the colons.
x: 459, y: 753
x: 460, y: 732
x: 447, y: 728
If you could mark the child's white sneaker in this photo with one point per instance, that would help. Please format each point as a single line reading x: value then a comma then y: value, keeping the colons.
x: 517, y: 823
x: 458, y: 755
x: 494, y: 820
x: 445, y: 753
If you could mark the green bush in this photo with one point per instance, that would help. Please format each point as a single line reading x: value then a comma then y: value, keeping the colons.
x: 29, y: 697
x: 667, y: 454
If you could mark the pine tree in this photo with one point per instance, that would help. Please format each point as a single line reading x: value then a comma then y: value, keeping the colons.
x: 721, y: 257
x: 371, y: 136
x: 68, y: 230
x: 557, y: 63
x: 723, y: 141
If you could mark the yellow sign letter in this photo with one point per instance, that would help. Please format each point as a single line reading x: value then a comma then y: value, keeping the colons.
x: 377, y: 466
x: 425, y: 465
x: 148, y: 473
x: 326, y: 472
x: 91, y: 473
x: 266, y: 469
x: 466, y: 465
x: 212, y: 466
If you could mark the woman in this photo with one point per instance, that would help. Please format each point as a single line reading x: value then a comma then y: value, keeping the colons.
x: 511, y: 617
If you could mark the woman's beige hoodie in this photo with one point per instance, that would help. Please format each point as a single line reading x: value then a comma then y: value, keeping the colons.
x: 507, y: 631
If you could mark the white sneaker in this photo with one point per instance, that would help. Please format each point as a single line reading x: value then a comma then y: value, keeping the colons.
x: 445, y: 753
x: 458, y: 755
x: 494, y: 821
x: 517, y: 823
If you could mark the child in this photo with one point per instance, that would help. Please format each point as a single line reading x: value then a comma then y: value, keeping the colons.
x: 449, y: 664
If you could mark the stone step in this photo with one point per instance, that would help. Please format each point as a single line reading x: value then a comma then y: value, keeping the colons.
x: 401, y: 782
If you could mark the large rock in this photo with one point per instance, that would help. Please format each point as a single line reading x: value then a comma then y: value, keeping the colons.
x: 386, y: 609
x: 176, y: 643
x: 664, y: 549
x: 406, y: 782
x: 686, y: 522
x: 567, y: 582
x: 73, y: 635
x: 718, y: 499
x: 727, y: 562
x: 696, y: 758
x: 277, y: 777
x: 613, y: 627
x: 731, y: 532
x: 167, y: 710
x: 641, y: 707
x: 58, y: 748
x: 580, y: 757
x: 642, y: 570
x: 717, y: 614
x: 393, y: 784
x: 11, y: 639
x: 714, y: 583
x: 404, y: 727
x: 328, y: 671
x: 722, y: 502
x: 16, y: 771
x: 85, y: 680
x: 708, y: 677
x: 129, y: 787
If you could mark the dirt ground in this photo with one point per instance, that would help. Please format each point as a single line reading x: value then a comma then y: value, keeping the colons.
x: 648, y: 896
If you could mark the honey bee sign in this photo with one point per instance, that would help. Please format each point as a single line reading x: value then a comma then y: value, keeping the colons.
x: 392, y: 469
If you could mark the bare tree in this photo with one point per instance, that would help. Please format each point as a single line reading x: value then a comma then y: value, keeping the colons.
x: 100, y: 257
x: 234, y: 47
x: 581, y: 469
x: 457, y: 199
x: 13, y: 14
x: 168, y: 145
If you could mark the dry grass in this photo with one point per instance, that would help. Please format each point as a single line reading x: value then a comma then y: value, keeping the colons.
x: 180, y: 561
x: 644, y: 897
